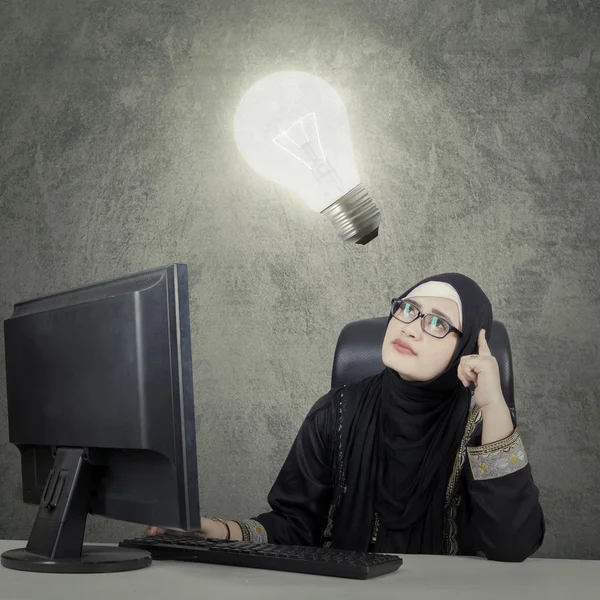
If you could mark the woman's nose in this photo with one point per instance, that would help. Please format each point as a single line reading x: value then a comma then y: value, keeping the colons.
x: 413, y: 328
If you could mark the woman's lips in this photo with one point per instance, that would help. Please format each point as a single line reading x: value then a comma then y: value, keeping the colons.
x: 403, y: 349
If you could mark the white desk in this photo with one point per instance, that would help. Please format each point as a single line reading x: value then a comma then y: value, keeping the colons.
x: 419, y: 578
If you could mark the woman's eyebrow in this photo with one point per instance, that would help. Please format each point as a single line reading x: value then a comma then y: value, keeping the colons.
x: 434, y: 311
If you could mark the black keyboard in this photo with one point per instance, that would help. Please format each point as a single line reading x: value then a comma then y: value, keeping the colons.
x: 298, y: 559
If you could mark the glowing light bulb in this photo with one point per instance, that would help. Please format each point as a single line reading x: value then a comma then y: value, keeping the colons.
x: 292, y: 128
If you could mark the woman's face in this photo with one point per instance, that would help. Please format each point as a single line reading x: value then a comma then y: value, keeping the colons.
x: 432, y: 355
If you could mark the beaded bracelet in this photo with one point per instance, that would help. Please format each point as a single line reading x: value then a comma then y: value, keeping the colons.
x: 245, y: 531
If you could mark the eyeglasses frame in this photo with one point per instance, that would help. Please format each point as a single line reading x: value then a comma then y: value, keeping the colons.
x: 422, y: 315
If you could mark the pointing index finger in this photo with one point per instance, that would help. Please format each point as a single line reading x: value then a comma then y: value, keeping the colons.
x: 482, y: 345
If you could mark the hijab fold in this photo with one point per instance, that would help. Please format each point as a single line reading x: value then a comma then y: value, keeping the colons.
x: 400, y: 443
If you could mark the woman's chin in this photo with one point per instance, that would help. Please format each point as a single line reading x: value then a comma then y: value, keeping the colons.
x: 403, y: 374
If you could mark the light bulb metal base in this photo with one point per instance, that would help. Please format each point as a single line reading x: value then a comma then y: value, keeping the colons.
x: 355, y: 216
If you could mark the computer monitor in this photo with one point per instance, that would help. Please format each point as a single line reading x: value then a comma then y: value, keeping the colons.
x: 101, y: 408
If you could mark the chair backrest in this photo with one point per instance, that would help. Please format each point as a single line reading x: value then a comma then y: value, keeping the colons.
x: 358, y: 354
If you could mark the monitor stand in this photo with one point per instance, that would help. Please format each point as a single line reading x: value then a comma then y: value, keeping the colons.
x: 56, y: 541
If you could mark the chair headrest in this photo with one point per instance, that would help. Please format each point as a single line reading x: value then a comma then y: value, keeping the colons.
x: 358, y: 354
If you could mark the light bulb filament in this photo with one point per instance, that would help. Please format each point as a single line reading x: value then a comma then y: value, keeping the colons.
x: 307, y: 148
x: 297, y: 142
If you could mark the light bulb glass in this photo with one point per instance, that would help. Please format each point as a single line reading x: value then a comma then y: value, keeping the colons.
x: 292, y: 128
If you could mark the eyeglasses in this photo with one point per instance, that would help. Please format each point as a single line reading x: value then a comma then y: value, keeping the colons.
x: 436, y: 326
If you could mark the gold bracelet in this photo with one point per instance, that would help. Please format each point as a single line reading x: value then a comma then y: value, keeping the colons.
x: 226, y: 525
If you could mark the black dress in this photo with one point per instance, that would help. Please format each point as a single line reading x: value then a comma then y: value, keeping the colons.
x: 492, y: 504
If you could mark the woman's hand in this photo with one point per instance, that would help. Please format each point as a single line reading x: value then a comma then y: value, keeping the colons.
x: 208, y: 529
x: 482, y: 370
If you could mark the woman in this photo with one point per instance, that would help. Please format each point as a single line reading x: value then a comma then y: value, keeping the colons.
x: 410, y: 460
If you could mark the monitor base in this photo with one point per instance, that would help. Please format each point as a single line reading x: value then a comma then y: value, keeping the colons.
x: 93, y: 559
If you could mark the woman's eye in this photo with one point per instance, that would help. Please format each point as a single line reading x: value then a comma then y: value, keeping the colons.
x: 441, y: 324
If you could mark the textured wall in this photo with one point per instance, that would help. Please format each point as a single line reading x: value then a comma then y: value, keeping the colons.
x: 475, y: 124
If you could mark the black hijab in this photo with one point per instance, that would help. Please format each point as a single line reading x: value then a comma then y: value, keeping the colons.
x: 402, y: 438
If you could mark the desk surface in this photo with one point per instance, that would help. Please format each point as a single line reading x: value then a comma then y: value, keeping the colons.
x: 421, y: 577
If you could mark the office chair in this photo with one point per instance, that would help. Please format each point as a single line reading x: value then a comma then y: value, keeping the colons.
x: 358, y: 354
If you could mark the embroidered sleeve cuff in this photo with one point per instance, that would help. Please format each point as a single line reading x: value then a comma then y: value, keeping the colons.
x: 253, y: 531
x: 498, y: 458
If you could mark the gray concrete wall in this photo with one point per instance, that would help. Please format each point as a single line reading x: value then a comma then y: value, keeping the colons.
x: 475, y: 124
